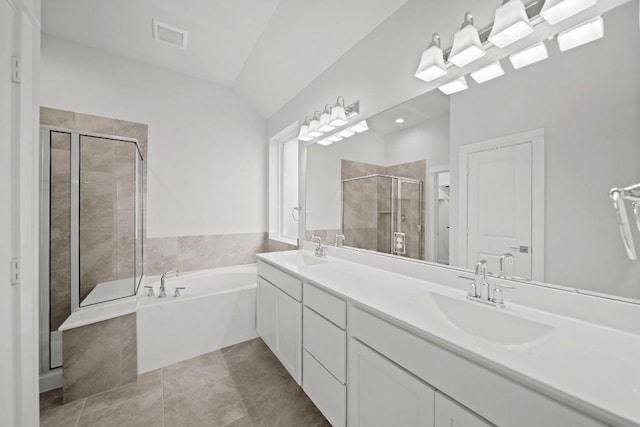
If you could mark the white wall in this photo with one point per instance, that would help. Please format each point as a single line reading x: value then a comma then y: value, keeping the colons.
x: 428, y: 141
x: 207, y: 158
x: 588, y: 102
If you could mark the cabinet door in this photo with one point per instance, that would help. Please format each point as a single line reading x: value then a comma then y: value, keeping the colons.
x: 382, y: 394
x: 289, y: 334
x: 450, y: 413
x: 267, y: 312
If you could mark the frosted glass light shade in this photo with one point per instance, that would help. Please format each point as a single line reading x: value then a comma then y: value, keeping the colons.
x: 510, y: 25
x: 359, y: 127
x: 338, y: 116
x: 554, y: 11
x: 454, y: 86
x: 346, y: 133
x: 467, y: 46
x: 530, y: 55
x: 314, y: 127
x: 431, y: 65
x: 325, y: 125
x: 335, y: 138
x: 487, y: 73
x: 303, y: 134
x: 325, y: 142
x: 582, y: 34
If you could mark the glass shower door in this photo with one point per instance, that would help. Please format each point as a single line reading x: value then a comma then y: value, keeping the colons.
x: 409, y: 216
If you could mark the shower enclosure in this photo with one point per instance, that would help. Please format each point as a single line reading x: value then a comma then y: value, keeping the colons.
x: 91, y: 227
x: 383, y: 213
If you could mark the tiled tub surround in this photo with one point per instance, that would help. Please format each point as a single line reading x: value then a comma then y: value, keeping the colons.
x: 240, y: 385
x: 99, y: 357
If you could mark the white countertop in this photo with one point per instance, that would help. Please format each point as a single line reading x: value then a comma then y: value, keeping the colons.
x: 592, y: 368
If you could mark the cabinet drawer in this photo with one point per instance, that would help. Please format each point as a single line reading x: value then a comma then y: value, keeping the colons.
x: 290, y: 285
x: 322, y: 388
x: 493, y: 396
x: 332, y: 308
x: 326, y: 342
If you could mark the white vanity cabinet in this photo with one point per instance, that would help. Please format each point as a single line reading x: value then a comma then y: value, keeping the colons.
x: 449, y: 413
x: 325, y: 353
x: 382, y: 394
x: 279, y: 316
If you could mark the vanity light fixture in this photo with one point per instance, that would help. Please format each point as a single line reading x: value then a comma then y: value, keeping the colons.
x: 432, y: 63
x: 346, y: 133
x: 581, y: 34
x: 325, y: 120
x: 511, y: 24
x: 490, y: 72
x: 467, y: 46
x: 454, y: 86
x: 303, y: 134
x: 528, y: 56
x: 399, y: 120
x: 554, y: 11
x: 359, y: 127
x: 325, y: 141
x: 314, y: 126
x: 338, y: 114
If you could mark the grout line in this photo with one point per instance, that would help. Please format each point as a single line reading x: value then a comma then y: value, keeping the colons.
x: 81, y: 412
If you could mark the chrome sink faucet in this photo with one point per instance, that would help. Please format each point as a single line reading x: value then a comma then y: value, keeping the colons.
x: 163, y: 290
x: 319, y: 248
x: 510, y: 260
x: 481, y: 270
x: 479, y: 282
x: 341, y: 238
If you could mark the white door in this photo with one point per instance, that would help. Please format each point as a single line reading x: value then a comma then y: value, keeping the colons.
x: 450, y: 413
x: 289, y: 334
x: 499, y: 207
x: 382, y: 394
x: 267, y: 312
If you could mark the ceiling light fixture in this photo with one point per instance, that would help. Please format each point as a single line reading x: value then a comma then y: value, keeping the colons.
x: 467, y: 46
x: 399, y: 120
x: 490, y: 72
x: 303, y: 134
x: 454, y: 86
x: 554, y: 11
x: 528, y: 56
x: 432, y: 63
x: 581, y: 34
x: 359, y: 127
x: 510, y: 24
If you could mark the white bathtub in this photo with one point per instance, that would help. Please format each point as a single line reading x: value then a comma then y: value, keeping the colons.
x: 217, y: 309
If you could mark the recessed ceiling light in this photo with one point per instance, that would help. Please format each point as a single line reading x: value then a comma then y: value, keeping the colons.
x: 399, y: 120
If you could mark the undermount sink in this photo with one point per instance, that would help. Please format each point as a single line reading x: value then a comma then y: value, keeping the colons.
x: 307, y: 260
x: 490, y: 323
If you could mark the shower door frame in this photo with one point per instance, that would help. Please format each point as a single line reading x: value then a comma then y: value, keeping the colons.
x: 395, y: 184
x: 74, y: 231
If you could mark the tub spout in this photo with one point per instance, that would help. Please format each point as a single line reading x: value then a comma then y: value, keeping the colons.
x: 163, y: 289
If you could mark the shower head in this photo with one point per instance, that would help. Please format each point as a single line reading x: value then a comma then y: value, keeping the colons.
x: 616, y: 195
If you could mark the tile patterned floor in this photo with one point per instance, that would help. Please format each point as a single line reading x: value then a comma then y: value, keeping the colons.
x: 239, y: 386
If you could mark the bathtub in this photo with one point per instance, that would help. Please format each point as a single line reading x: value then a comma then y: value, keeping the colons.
x: 217, y: 309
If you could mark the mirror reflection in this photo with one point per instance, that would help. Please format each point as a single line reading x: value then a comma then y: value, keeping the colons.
x: 515, y: 171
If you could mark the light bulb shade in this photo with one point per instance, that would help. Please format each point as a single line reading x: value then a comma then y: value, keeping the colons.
x: 359, y: 127
x: 325, y: 142
x: 346, y: 133
x: 314, y: 126
x: 335, y: 138
x: 554, y: 11
x: 338, y: 116
x: 303, y: 134
x: 581, y: 34
x: 325, y: 119
x: 487, y: 73
x: 530, y: 55
x: 467, y: 46
x: 454, y: 86
x: 510, y: 25
x: 431, y: 65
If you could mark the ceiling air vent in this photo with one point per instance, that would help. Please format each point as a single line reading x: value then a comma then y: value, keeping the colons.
x: 170, y: 35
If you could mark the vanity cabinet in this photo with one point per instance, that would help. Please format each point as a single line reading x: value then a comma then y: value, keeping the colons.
x: 279, y: 316
x: 382, y: 394
x: 449, y: 413
x: 325, y: 353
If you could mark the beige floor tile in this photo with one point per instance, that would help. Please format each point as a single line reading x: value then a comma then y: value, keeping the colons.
x: 199, y: 371
x: 62, y: 416
x: 147, y: 383
x: 142, y: 411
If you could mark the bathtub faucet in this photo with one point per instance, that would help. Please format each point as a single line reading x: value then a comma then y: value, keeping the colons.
x: 163, y: 290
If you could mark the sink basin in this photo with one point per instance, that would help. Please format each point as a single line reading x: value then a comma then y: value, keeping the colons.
x: 490, y: 323
x: 307, y: 260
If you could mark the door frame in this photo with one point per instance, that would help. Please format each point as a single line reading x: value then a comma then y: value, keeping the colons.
x: 432, y: 205
x: 536, y: 139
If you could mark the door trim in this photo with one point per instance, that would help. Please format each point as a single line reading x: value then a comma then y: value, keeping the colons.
x: 432, y: 203
x: 536, y: 139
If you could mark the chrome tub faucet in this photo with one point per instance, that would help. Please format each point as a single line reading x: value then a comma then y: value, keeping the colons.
x: 163, y: 290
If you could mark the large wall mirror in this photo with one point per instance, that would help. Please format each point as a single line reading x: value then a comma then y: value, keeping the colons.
x: 519, y: 165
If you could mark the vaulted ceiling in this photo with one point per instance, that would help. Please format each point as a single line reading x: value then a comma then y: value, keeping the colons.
x: 268, y: 50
